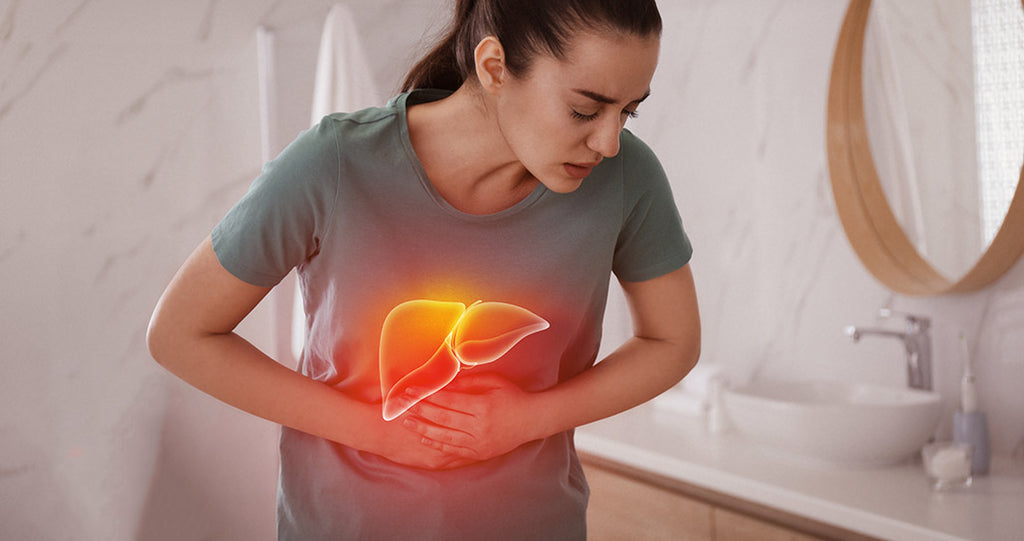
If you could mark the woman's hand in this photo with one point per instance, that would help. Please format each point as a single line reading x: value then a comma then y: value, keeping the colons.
x: 406, y: 447
x: 475, y: 417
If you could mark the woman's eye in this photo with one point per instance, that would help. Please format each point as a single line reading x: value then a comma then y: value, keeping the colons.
x: 586, y: 118
x: 580, y: 116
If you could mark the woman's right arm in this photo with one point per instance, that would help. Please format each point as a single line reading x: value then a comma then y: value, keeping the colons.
x: 192, y: 334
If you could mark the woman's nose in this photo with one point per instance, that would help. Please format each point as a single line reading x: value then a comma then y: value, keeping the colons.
x: 605, y: 137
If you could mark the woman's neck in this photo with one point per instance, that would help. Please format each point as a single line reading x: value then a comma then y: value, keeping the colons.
x: 465, y: 155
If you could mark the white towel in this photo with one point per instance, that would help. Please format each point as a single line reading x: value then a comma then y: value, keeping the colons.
x: 344, y: 80
x: 698, y: 381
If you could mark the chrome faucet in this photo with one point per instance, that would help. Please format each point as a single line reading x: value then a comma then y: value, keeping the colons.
x: 917, y: 341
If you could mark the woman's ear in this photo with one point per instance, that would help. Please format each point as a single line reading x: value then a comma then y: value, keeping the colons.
x: 490, y: 64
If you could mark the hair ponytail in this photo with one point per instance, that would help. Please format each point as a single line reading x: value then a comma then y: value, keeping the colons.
x: 441, y: 67
x: 525, y: 28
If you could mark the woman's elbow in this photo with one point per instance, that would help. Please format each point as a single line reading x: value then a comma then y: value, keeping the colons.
x: 166, y: 335
x: 158, y: 337
x: 689, y: 349
x: 691, y: 356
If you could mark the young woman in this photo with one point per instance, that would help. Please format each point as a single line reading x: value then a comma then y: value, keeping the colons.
x: 501, y: 174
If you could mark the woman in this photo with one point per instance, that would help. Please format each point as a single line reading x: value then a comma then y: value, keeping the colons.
x: 502, y: 174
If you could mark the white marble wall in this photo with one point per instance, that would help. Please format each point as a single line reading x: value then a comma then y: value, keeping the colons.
x: 128, y: 128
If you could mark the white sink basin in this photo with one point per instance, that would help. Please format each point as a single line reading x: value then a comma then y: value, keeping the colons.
x: 834, y: 422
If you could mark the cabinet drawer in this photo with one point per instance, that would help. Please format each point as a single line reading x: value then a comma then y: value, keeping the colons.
x: 731, y: 526
x: 623, y: 508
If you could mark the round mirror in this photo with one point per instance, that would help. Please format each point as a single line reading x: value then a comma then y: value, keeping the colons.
x: 926, y: 140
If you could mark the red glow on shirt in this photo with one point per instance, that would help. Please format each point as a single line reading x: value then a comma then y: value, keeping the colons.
x: 424, y: 343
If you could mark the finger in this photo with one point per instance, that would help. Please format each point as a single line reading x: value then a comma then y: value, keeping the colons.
x: 438, y: 437
x: 444, y: 413
x: 398, y: 405
x: 459, y: 455
x: 442, y: 456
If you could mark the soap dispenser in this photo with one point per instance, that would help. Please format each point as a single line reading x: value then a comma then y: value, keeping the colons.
x: 969, y: 424
x: 717, y: 421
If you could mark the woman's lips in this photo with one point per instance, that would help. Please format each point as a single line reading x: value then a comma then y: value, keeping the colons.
x: 579, y: 170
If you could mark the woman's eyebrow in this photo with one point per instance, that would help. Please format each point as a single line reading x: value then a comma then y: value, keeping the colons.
x: 601, y: 98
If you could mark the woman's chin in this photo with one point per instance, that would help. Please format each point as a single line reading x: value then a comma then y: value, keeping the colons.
x: 562, y: 184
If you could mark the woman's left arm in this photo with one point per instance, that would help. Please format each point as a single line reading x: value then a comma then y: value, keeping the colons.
x: 484, y: 416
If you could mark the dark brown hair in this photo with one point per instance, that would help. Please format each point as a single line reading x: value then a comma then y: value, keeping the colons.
x: 525, y: 28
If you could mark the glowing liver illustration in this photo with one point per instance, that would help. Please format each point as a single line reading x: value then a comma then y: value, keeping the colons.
x: 424, y: 344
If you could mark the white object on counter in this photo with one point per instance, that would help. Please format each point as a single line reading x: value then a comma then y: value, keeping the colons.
x: 693, y: 396
x: 948, y: 464
x: 700, y: 379
x: 682, y: 402
x: 717, y: 419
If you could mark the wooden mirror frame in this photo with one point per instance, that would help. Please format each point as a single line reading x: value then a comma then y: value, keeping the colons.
x: 873, y: 231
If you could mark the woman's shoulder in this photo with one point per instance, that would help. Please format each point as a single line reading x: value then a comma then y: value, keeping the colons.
x: 391, y: 113
x: 640, y: 164
x: 634, y: 150
x: 356, y: 133
x: 354, y: 122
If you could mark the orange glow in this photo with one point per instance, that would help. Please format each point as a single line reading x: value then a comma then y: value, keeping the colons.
x: 424, y: 343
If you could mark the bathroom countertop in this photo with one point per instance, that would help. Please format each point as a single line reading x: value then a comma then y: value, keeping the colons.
x: 893, y: 502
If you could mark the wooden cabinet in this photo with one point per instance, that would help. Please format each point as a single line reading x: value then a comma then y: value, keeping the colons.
x: 629, y: 504
x: 622, y: 508
x: 733, y: 526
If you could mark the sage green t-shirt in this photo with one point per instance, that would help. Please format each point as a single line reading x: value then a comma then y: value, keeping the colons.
x: 349, y: 204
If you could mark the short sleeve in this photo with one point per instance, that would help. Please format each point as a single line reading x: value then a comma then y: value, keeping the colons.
x: 282, y: 219
x: 652, y: 241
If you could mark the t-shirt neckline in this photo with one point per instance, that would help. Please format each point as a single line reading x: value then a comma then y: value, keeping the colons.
x: 401, y: 102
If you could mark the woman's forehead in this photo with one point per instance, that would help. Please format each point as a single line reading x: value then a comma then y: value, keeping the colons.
x: 605, y: 65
